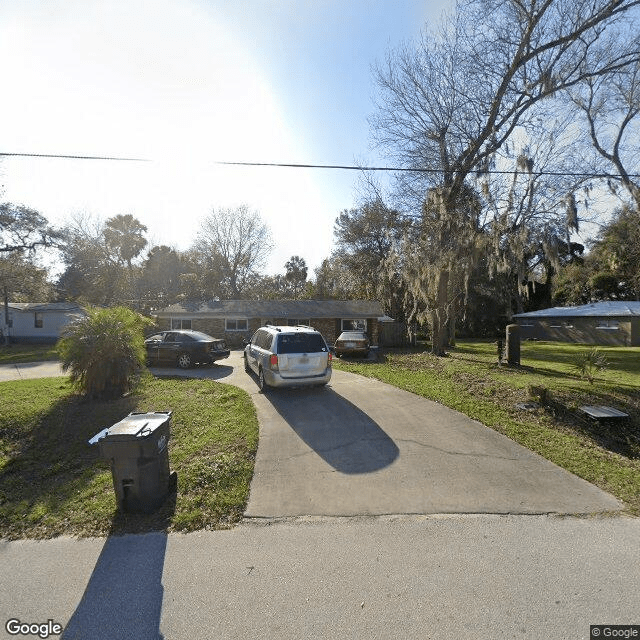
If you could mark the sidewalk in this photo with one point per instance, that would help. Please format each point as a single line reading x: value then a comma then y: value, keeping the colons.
x: 24, y: 370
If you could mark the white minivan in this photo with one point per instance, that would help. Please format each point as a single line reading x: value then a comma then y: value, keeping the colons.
x: 288, y: 357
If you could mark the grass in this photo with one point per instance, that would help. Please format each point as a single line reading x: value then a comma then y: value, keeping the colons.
x: 16, y: 353
x: 52, y: 482
x: 471, y: 381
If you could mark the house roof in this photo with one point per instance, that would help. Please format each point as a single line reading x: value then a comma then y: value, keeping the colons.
x: 44, y: 307
x: 298, y: 309
x: 595, y: 309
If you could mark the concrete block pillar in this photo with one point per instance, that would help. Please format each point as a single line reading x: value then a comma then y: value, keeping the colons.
x: 513, y: 344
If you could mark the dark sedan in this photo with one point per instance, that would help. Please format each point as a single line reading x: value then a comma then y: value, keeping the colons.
x: 184, y: 348
x: 352, y: 343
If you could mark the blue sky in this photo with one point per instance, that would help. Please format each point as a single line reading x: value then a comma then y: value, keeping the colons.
x: 188, y: 82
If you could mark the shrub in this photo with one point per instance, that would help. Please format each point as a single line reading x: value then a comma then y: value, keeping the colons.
x: 104, y: 350
x: 587, y: 363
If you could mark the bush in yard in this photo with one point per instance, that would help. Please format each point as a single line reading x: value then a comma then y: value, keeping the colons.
x: 104, y: 350
x: 588, y: 363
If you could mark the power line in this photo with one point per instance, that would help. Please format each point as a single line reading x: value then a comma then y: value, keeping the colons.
x: 293, y: 165
x: 68, y: 157
x: 418, y: 170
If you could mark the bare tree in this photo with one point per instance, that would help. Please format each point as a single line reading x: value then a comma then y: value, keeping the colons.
x: 451, y: 103
x: 239, y: 241
x: 611, y: 105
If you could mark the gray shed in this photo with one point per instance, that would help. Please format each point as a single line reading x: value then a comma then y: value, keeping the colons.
x: 612, y: 323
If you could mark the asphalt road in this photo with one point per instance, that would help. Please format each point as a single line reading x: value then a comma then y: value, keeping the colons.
x: 440, y: 577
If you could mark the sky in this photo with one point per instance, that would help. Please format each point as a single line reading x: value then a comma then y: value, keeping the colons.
x: 186, y: 83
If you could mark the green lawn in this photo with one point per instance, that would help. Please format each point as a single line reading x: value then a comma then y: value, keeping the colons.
x: 52, y: 482
x: 15, y: 353
x: 470, y: 380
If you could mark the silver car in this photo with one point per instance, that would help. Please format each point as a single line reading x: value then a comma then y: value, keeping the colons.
x: 288, y: 357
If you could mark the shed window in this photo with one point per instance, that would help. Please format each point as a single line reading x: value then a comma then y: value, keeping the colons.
x: 180, y: 323
x: 236, y: 324
x: 38, y: 320
x: 354, y: 325
x: 608, y: 324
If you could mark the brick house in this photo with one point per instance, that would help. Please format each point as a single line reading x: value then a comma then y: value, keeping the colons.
x: 235, y: 320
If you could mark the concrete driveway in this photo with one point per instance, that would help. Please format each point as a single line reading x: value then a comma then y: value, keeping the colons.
x: 362, y: 447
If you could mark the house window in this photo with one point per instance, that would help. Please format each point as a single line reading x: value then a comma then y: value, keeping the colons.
x: 236, y: 324
x: 180, y: 323
x: 611, y: 325
x: 292, y: 322
x: 354, y: 325
x: 38, y: 320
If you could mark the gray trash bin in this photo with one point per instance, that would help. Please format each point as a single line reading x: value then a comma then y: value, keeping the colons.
x: 136, y: 449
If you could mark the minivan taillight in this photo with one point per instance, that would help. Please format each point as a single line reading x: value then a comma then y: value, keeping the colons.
x: 273, y: 361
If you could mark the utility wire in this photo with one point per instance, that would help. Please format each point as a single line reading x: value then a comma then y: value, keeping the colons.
x: 291, y: 165
x: 65, y: 157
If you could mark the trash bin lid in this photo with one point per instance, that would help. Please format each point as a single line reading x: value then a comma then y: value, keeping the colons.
x: 137, y: 425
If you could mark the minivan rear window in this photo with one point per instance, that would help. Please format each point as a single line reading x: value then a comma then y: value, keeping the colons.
x: 301, y: 343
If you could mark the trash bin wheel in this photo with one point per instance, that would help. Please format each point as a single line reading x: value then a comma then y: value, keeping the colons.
x: 184, y: 360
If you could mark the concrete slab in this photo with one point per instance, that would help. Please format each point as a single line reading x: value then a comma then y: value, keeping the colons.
x: 362, y: 447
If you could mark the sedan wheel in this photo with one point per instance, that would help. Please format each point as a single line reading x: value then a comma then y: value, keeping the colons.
x: 184, y: 361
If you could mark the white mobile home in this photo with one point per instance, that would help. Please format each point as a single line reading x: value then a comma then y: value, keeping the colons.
x: 37, y: 322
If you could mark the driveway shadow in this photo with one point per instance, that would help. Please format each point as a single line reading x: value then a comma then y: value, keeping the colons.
x: 123, y: 598
x: 340, y: 433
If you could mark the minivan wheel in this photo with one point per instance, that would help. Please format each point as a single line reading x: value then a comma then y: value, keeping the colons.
x: 246, y: 364
x: 262, y: 383
x: 184, y: 361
